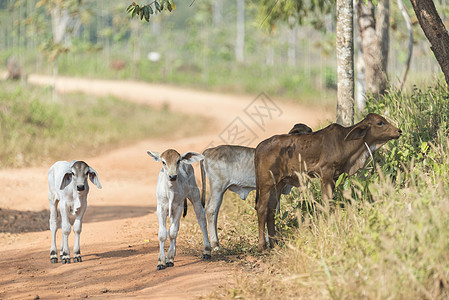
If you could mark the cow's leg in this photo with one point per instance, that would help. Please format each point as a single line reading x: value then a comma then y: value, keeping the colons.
x: 327, y: 188
x: 65, y: 228
x: 62, y: 246
x: 162, y: 235
x: 77, y: 227
x: 262, y: 210
x: 201, y: 217
x: 53, y: 229
x: 173, y: 233
x: 212, y: 209
x: 270, y: 216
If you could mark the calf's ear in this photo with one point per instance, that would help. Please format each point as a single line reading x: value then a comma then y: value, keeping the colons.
x: 155, y: 155
x: 66, y: 180
x: 191, y: 157
x: 357, y: 132
x: 93, y: 176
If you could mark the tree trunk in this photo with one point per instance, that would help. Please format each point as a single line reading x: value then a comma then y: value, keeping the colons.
x: 360, y: 98
x: 435, y: 32
x: 408, y: 23
x: 240, y: 40
x: 217, y: 13
x: 59, y: 20
x: 345, y: 63
x: 291, y: 51
x: 383, y: 33
x: 375, y: 74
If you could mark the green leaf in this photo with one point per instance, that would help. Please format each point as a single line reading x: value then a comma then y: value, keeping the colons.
x: 150, y: 9
x: 146, y: 13
x: 346, y: 184
x: 158, y: 6
x: 340, y: 179
x: 128, y: 10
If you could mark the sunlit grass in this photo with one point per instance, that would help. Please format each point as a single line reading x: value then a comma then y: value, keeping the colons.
x: 388, y: 236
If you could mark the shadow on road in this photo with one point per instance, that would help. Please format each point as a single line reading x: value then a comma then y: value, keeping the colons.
x: 16, y: 221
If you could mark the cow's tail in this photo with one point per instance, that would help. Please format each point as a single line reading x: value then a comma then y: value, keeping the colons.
x: 203, y: 183
x: 185, y: 208
x: 257, y: 179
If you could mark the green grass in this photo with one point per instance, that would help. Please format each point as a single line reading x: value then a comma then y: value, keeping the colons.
x: 35, y: 130
x: 387, y: 239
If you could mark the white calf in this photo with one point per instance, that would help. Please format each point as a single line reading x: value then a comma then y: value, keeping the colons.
x: 175, y: 183
x: 68, y: 187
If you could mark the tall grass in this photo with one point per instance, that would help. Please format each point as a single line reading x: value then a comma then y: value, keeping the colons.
x: 34, y: 130
x: 388, y: 238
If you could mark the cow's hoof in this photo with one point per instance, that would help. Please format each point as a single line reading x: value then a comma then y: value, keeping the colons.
x: 77, y: 259
x: 169, y: 264
x: 160, y: 267
x: 54, y: 260
x: 65, y: 261
x: 206, y: 256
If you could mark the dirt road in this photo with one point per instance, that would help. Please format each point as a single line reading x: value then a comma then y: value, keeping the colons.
x: 119, y: 240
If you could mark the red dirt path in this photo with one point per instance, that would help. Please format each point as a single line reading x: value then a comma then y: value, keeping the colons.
x: 119, y: 240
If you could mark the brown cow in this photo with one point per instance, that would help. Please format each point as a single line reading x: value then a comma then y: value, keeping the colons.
x: 230, y: 167
x: 326, y: 153
x: 13, y: 68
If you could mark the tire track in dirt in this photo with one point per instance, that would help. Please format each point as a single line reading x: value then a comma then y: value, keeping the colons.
x: 119, y: 239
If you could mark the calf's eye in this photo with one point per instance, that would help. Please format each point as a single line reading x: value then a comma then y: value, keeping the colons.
x: 380, y: 123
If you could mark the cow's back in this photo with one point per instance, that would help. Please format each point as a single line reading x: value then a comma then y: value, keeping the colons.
x: 231, y: 164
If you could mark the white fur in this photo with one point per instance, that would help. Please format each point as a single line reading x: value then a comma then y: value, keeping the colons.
x: 62, y: 190
x: 170, y: 202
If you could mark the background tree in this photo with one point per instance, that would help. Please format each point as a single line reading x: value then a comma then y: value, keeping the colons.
x: 240, y: 36
x: 285, y: 11
x: 345, y: 63
x: 435, y: 31
x: 408, y: 23
x: 374, y: 43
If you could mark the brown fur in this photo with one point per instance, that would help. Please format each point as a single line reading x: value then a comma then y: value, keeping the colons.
x: 13, y: 68
x: 300, y: 129
x: 326, y: 153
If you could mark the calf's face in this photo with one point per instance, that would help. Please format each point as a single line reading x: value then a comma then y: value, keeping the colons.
x: 171, y: 161
x: 375, y: 129
x: 79, y: 173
